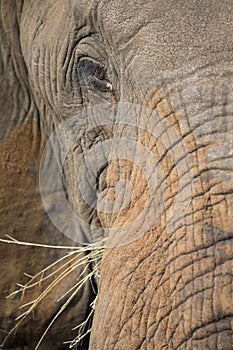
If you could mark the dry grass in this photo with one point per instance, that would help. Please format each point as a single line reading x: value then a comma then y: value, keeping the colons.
x: 53, y: 275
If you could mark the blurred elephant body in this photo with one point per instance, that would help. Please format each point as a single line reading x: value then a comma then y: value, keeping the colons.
x: 166, y: 281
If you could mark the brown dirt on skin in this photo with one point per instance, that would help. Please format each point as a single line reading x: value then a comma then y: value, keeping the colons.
x: 21, y: 209
x: 19, y: 159
x: 23, y: 217
x: 217, y: 204
x: 22, y: 214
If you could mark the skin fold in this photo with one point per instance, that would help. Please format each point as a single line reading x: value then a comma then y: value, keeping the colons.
x: 166, y: 281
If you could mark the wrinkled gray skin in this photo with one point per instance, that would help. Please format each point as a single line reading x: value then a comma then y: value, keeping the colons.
x: 169, y: 289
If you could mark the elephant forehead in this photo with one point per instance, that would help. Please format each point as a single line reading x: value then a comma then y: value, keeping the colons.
x: 169, y: 32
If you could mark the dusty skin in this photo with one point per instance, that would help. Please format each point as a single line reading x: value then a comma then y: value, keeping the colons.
x: 155, y: 178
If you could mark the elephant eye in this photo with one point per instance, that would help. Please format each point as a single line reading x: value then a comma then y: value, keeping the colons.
x: 93, y: 75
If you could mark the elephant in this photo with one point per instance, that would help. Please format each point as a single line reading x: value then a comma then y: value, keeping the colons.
x: 132, y: 101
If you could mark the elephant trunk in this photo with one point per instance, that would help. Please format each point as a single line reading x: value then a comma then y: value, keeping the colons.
x: 169, y: 285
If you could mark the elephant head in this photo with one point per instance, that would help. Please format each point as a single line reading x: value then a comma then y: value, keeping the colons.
x: 136, y: 100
